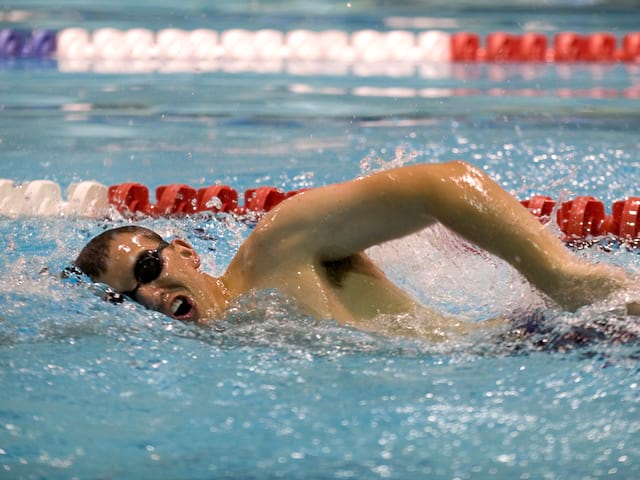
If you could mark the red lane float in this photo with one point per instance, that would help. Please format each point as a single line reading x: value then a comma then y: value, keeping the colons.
x: 217, y: 198
x: 569, y: 47
x: 180, y: 199
x: 130, y: 198
x: 465, y: 47
x: 582, y: 217
x: 540, y: 205
x: 585, y: 216
x: 599, y: 47
x: 631, y: 48
x: 263, y: 199
x: 533, y: 47
x: 625, y: 217
x: 503, y: 47
x: 175, y: 199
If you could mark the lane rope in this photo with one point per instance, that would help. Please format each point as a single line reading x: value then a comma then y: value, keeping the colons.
x: 369, y: 46
x: 580, y: 218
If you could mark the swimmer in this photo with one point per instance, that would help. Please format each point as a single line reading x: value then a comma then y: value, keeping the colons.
x: 311, y: 249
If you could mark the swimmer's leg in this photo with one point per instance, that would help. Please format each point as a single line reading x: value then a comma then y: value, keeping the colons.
x: 471, y: 204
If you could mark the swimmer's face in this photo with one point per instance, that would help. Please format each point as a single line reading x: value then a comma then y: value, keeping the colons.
x: 163, y: 277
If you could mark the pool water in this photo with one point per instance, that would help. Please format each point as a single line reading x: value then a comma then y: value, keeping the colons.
x: 91, y: 390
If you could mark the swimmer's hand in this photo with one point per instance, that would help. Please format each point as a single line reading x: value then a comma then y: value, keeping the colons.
x: 583, y: 284
x: 620, y: 288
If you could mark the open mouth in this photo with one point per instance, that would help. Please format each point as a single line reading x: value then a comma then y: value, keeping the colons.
x: 182, y: 308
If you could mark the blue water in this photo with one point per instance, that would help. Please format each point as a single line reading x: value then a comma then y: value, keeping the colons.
x: 93, y: 390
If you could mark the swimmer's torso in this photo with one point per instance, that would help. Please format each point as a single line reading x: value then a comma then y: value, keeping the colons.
x: 352, y: 291
x: 349, y: 290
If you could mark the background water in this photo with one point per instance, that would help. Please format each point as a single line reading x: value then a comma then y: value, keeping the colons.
x: 94, y: 390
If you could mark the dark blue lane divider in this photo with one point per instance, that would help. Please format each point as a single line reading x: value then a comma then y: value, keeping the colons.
x: 24, y: 44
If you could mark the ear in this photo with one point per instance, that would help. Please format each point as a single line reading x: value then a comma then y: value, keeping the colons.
x: 186, y: 251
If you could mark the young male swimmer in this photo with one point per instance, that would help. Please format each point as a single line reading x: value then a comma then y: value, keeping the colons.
x: 311, y: 248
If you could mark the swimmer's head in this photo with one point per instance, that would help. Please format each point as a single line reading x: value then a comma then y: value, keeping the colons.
x: 166, y: 277
x: 93, y: 258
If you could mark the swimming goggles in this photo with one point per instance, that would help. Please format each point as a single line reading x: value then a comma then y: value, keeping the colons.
x: 147, y: 268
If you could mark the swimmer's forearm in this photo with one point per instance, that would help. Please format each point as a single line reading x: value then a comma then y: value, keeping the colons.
x: 475, y: 207
x: 468, y: 202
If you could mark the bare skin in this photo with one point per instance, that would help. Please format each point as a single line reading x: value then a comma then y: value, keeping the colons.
x: 311, y: 249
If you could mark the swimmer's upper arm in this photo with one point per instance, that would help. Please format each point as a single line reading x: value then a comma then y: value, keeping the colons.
x: 339, y: 220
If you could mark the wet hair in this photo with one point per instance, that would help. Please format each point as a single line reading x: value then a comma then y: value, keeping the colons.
x: 93, y: 258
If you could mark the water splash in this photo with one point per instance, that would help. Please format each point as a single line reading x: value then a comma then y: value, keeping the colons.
x: 373, y: 163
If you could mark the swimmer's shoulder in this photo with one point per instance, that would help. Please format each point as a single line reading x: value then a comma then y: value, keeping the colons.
x: 265, y: 253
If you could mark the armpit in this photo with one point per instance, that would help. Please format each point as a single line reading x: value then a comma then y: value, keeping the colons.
x: 337, y: 270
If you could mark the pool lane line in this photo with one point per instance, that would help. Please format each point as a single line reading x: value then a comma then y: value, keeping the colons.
x: 369, y: 46
x: 580, y: 218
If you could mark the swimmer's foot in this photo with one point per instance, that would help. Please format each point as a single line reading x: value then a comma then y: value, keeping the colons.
x: 585, y: 284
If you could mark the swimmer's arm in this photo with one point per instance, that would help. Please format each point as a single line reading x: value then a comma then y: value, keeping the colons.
x: 340, y: 220
x: 336, y: 221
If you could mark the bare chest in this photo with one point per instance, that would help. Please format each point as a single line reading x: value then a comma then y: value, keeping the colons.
x: 350, y: 291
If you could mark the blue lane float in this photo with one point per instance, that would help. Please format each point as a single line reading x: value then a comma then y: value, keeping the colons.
x: 23, y: 44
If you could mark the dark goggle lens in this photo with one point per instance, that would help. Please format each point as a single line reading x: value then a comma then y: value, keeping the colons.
x: 149, y: 266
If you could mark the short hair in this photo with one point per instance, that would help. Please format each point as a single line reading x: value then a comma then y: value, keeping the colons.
x: 92, y: 260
